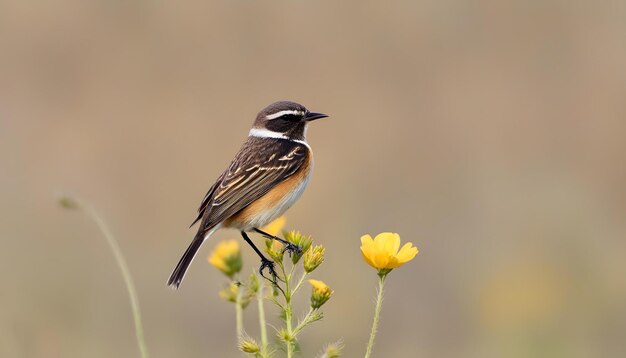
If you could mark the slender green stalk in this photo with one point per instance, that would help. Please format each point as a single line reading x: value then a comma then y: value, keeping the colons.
x: 128, y: 280
x: 288, y: 316
x: 304, y: 322
x: 295, y: 289
x: 260, y: 298
x: 239, y: 313
x: 379, y: 301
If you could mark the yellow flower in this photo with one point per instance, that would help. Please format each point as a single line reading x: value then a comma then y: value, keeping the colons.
x: 313, y: 257
x: 321, y: 293
x: 274, y: 249
x: 382, y: 252
x: 275, y: 226
x: 302, y: 241
x: 227, y: 257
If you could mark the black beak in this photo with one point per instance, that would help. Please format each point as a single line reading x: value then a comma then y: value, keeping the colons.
x: 311, y: 116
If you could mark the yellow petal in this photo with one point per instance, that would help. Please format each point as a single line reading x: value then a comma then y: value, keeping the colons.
x: 217, y: 262
x: 366, y: 240
x: 381, y: 259
x: 367, y: 258
x: 393, y: 263
x: 220, y: 249
x: 379, y: 243
x: 318, y: 285
x: 367, y: 250
x: 275, y: 226
x: 229, y: 248
x: 392, y: 242
x: 407, y: 253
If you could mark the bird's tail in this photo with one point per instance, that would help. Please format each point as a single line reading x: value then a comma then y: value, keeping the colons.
x: 179, y: 272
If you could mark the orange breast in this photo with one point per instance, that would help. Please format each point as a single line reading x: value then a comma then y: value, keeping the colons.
x: 271, y: 205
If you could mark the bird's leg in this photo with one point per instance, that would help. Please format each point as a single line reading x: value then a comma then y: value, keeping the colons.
x: 265, y: 262
x: 289, y: 246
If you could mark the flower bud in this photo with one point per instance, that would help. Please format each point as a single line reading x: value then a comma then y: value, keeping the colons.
x: 229, y: 293
x: 333, y: 350
x: 320, y: 294
x: 249, y: 345
x: 227, y: 258
x: 253, y: 284
x: 313, y: 257
x: 302, y: 241
x: 274, y: 250
x: 284, y: 336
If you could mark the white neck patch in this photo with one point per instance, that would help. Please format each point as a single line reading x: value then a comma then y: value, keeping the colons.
x: 285, y: 112
x: 266, y: 133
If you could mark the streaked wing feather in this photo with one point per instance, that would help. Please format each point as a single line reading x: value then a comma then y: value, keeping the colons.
x: 257, y: 168
x: 205, y: 200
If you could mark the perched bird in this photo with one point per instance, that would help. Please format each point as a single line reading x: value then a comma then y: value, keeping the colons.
x: 266, y: 176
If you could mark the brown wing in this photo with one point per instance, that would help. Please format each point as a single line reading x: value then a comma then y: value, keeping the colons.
x: 260, y: 165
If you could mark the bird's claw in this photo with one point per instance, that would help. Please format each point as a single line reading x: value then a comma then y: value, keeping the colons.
x: 292, y: 248
x: 269, y: 265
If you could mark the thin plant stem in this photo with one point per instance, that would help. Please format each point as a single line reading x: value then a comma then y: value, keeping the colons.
x: 379, y: 301
x: 291, y: 271
x: 128, y: 280
x: 260, y: 298
x: 239, y: 312
x: 287, y: 308
x: 304, y: 322
x: 289, y: 331
x: 299, y: 283
x: 288, y: 316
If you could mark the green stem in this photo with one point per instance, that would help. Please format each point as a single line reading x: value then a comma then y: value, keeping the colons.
x: 121, y: 262
x: 289, y: 331
x: 303, y: 323
x: 288, y: 317
x: 260, y: 298
x: 239, y: 312
x: 379, y: 301
x: 299, y: 283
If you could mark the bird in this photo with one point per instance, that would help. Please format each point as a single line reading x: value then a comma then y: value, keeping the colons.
x: 266, y: 177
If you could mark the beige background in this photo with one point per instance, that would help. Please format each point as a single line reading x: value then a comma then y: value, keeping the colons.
x: 491, y: 134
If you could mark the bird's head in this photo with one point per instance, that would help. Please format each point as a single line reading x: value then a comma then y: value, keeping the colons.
x: 286, y: 118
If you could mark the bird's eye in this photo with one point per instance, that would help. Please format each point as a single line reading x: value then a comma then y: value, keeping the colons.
x: 291, y: 117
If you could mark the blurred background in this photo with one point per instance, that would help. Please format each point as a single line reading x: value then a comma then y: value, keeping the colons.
x: 490, y: 134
